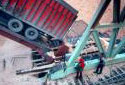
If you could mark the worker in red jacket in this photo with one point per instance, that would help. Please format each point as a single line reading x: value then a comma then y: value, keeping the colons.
x: 79, y: 67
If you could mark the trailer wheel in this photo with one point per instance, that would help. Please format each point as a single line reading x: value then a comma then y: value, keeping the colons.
x: 31, y: 33
x: 15, y: 25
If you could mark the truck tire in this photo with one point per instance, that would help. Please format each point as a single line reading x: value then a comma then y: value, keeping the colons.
x: 15, y: 25
x: 31, y: 33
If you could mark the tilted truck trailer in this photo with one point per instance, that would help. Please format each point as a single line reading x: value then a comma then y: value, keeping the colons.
x: 29, y: 21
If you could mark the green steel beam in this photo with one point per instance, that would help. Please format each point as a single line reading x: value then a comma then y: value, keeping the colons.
x: 112, y: 42
x: 118, y: 47
x: 122, y: 15
x: 112, y: 25
x: 115, y: 25
x: 98, y: 42
x: 96, y: 17
x: 91, y: 64
x: 116, y: 16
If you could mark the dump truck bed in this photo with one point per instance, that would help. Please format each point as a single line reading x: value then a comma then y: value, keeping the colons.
x: 30, y: 21
x: 53, y: 17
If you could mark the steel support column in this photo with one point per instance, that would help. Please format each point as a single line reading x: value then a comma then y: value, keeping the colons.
x: 98, y: 42
x: 122, y: 15
x: 119, y: 47
x: 97, y: 16
x: 116, y: 15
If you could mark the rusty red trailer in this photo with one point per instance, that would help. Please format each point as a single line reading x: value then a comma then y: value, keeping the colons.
x: 53, y: 17
x: 33, y: 19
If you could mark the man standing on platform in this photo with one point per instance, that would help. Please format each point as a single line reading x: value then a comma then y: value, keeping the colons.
x: 101, y: 64
x: 79, y: 67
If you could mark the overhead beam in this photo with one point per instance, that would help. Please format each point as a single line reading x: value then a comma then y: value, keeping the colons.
x: 94, y: 21
x: 116, y: 16
x: 110, y: 25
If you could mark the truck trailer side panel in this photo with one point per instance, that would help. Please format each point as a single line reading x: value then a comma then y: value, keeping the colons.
x: 47, y: 16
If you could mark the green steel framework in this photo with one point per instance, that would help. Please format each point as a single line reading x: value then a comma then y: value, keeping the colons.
x: 111, y: 54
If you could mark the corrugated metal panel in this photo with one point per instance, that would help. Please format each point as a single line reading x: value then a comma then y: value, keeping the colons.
x: 51, y: 16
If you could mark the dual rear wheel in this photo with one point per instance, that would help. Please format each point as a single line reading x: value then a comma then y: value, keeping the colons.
x: 17, y: 26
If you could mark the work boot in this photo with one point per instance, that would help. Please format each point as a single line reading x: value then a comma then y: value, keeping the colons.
x: 94, y: 72
x: 76, y: 77
x: 80, y: 77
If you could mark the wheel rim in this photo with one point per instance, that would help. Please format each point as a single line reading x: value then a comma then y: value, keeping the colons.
x: 31, y: 33
x: 15, y: 25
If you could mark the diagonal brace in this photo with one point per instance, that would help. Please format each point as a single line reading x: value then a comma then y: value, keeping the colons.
x: 98, y: 42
